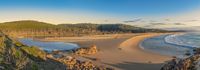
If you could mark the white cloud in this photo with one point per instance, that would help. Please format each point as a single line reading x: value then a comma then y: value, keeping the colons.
x: 186, y: 19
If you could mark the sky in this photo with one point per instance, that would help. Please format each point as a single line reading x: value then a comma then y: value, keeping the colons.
x: 145, y: 13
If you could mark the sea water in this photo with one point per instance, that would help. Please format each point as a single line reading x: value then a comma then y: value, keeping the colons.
x: 49, y: 46
x: 172, y: 44
x: 190, y: 40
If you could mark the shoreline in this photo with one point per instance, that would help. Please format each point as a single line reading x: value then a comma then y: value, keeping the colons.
x: 126, y: 53
x: 145, y: 48
x: 139, y: 48
x: 189, y: 47
x: 85, y: 38
x: 159, y: 45
x: 123, y: 52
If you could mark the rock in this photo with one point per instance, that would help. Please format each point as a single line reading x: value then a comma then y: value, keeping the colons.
x: 2, y: 68
x: 80, y: 51
x: 49, y: 56
x: 92, y: 50
x: 87, y: 51
x: 56, y: 52
x: 16, y: 56
x: 189, y: 63
x: 74, y: 64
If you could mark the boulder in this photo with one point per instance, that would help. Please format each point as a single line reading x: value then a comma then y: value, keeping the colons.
x: 87, y: 51
x: 92, y: 49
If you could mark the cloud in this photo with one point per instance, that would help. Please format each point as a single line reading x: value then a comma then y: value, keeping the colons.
x: 163, y: 25
x: 147, y: 26
x: 192, y: 20
x: 167, y: 24
x: 158, y: 24
x: 152, y: 21
x: 131, y: 21
x: 178, y: 24
x: 167, y: 19
x: 106, y: 20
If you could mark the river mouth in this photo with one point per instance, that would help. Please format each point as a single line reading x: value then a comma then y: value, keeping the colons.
x: 49, y: 46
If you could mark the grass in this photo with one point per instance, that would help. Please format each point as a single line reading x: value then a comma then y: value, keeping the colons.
x: 2, y: 45
x: 18, y: 44
x: 34, y: 51
x: 16, y: 52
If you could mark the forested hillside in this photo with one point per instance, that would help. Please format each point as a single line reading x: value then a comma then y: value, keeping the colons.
x: 42, y: 29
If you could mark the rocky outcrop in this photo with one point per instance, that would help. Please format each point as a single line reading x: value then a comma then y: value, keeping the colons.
x: 189, y: 63
x: 16, y: 56
x: 74, y: 64
x: 87, y: 51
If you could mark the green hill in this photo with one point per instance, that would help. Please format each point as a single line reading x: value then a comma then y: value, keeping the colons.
x: 109, y: 28
x: 28, y: 24
x: 41, y: 29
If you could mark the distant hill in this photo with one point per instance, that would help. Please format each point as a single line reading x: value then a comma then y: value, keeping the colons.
x: 28, y: 24
x: 36, y: 28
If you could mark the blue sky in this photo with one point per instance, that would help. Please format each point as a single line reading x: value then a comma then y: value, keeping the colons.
x: 102, y: 11
x: 121, y: 7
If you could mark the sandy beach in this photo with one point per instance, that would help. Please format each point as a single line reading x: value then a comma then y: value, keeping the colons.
x: 119, y: 51
x: 86, y: 38
x: 125, y: 53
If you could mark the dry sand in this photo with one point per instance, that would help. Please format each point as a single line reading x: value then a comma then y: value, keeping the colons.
x: 119, y: 51
x: 86, y: 38
x: 125, y: 53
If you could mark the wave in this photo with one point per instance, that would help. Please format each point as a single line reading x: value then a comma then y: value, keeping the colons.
x: 180, y: 40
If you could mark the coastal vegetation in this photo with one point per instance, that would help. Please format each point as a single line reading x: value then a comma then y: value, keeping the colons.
x: 16, y: 56
x: 29, y: 28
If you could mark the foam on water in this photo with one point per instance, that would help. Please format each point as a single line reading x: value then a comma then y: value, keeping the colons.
x: 189, y: 40
x: 173, y: 45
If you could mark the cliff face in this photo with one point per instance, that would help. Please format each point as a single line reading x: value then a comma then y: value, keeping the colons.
x: 16, y: 56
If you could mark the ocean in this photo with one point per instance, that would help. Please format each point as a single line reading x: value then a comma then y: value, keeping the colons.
x: 172, y: 44
x: 190, y: 40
